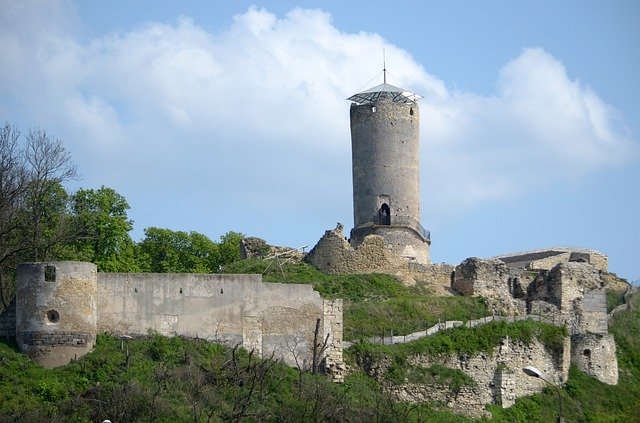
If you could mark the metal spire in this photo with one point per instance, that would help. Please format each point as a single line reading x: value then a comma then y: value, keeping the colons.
x: 384, y: 66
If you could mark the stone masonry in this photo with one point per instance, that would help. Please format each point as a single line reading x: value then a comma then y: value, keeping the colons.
x: 570, y: 293
x: 61, y: 306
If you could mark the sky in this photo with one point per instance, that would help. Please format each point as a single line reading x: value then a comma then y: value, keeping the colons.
x: 218, y: 116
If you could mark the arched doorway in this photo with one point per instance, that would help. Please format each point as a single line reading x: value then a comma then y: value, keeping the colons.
x: 384, y: 214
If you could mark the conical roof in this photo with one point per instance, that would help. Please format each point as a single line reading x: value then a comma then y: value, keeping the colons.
x: 385, y: 91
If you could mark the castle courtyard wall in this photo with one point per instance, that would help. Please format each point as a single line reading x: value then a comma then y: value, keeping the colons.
x: 269, y: 318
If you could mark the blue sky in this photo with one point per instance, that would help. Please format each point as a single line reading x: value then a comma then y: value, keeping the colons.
x: 232, y: 115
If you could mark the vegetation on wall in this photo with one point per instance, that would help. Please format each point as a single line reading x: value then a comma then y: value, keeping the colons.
x: 375, y: 304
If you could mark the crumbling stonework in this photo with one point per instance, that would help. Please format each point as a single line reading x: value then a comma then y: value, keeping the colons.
x: 570, y: 294
x: 577, y: 290
x: 490, y: 279
x: 253, y: 247
x: 497, y: 376
x: 545, y: 259
x: 333, y: 330
x: 56, y: 310
x: 334, y: 255
x: 594, y: 354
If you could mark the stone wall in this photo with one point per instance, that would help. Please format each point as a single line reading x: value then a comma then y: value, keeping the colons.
x: 545, y: 259
x: 497, y: 376
x: 56, y: 311
x: 490, y: 279
x: 8, y: 321
x: 594, y: 354
x: 333, y: 330
x: 270, y: 318
x: 58, y: 317
x: 334, y: 255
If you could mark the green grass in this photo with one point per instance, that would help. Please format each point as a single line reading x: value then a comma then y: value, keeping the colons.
x: 179, y: 380
x: 463, y: 340
x: 375, y: 304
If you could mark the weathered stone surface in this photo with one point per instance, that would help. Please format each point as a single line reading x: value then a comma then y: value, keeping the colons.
x: 571, y: 294
x: 545, y: 259
x: 595, y: 354
x: 253, y: 247
x: 57, y: 320
x: 56, y: 311
x: 490, y: 279
x: 334, y: 255
x: 497, y: 375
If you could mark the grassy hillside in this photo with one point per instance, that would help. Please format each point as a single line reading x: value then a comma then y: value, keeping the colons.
x: 173, y: 379
x: 375, y: 304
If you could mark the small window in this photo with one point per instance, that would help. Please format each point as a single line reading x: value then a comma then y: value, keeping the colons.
x: 384, y: 214
x: 411, y: 111
x: 50, y: 274
x: 53, y: 316
x: 373, y: 109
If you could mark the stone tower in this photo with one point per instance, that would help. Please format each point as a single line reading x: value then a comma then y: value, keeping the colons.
x: 385, y: 147
x: 56, y: 311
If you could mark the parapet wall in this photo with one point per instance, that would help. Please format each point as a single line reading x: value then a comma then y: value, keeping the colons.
x: 61, y: 307
x: 269, y: 318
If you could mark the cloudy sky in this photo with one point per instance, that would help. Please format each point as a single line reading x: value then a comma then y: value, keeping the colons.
x: 232, y: 116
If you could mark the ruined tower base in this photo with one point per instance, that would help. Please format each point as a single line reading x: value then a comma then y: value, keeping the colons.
x: 402, y: 241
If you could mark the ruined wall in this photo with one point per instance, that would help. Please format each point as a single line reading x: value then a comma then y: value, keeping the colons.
x: 497, y: 375
x: 56, y: 311
x: 595, y: 354
x: 491, y: 279
x: 61, y: 306
x: 334, y: 255
x: 269, y: 318
x: 333, y: 330
x: 577, y: 290
x: 546, y: 259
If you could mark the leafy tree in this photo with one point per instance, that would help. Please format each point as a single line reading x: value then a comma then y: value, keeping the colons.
x: 101, y: 216
x: 230, y: 247
x: 33, y: 208
x: 167, y: 251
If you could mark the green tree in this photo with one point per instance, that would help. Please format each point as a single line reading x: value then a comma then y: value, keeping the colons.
x: 33, y: 202
x: 230, y: 247
x: 101, y: 216
x: 167, y: 251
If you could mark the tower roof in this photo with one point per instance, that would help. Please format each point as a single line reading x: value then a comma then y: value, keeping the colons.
x: 385, y: 91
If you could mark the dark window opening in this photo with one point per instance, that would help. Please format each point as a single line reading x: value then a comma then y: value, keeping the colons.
x: 411, y: 111
x: 49, y: 273
x: 53, y: 316
x: 384, y: 214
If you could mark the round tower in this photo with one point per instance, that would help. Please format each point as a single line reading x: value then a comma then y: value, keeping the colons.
x: 56, y: 311
x: 385, y: 146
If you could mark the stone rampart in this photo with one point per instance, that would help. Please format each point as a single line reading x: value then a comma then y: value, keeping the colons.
x: 61, y: 307
x: 8, y: 321
x: 272, y: 319
x: 56, y: 311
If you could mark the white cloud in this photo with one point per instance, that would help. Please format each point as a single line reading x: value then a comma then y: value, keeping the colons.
x: 251, y: 123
